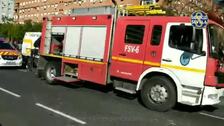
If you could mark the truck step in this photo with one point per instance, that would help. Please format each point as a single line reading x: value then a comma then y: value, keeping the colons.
x: 125, y: 90
x: 70, y: 74
x: 66, y: 79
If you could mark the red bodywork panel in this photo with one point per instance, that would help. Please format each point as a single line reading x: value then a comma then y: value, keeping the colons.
x: 154, y: 52
x: 127, y: 58
x: 94, y: 71
x: 213, y: 67
x: 130, y: 65
x: 90, y: 71
x: 43, y: 35
x: 211, y: 78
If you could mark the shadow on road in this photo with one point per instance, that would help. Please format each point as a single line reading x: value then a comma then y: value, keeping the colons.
x: 186, y: 108
x: 88, y: 85
x: 10, y: 68
x: 67, y: 85
x: 97, y: 87
x: 125, y: 95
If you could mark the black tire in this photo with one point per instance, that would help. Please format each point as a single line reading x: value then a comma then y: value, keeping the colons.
x: 52, y: 70
x: 155, y: 87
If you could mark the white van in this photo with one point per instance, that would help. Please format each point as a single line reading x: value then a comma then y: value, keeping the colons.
x: 28, y: 42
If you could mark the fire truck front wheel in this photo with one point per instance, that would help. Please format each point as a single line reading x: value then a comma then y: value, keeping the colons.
x: 158, y: 93
x: 52, y: 70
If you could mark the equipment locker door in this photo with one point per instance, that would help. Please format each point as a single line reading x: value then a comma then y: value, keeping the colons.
x: 129, y: 49
x: 184, y: 53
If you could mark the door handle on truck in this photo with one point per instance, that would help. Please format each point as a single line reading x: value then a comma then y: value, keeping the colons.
x: 122, y: 54
x: 167, y: 60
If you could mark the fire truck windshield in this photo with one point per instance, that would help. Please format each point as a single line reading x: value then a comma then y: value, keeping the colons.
x: 216, y: 41
x: 6, y: 46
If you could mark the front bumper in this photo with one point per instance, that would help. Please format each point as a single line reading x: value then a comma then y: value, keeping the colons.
x: 212, y: 95
x: 8, y: 63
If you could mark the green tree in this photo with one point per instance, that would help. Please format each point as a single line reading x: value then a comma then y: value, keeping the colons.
x: 13, y: 31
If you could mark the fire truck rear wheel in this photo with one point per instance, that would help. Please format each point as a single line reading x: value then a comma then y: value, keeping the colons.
x: 158, y: 93
x: 52, y: 70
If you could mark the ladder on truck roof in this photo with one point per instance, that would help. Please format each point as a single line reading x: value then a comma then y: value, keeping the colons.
x: 141, y: 10
x: 122, y: 10
x: 94, y: 10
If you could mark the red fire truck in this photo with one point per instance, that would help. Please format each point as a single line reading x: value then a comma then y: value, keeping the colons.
x: 164, y: 58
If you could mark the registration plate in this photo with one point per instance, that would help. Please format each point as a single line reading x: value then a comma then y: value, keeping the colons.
x: 10, y: 63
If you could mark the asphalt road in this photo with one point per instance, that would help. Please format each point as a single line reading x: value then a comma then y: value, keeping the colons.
x: 26, y: 100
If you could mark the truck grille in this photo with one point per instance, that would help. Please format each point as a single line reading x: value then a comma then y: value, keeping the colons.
x: 9, y: 57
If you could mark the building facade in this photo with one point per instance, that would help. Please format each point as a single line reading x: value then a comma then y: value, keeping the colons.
x: 6, y: 10
x: 37, y: 9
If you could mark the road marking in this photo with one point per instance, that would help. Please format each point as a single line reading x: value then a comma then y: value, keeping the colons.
x: 61, y: 113
x: 213, y: 116
x: 9, y: 92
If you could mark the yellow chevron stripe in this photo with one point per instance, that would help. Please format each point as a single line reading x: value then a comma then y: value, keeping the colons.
x: 13, y: 53
x: 8, y: 53
x: 5, y: 53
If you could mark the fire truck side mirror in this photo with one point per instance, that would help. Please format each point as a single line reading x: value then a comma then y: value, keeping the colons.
x: 195, y: 50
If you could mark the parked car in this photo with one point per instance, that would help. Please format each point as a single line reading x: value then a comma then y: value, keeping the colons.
x: 9, y: 55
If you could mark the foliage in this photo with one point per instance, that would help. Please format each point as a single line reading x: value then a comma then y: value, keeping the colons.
x: 6, y: 19
x: 16, y: 32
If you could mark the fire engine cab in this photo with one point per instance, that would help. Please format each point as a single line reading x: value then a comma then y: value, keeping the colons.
x: 164, y: 58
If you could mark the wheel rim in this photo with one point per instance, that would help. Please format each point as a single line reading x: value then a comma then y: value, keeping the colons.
x: 158, y: 93
x: 51, y: 73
